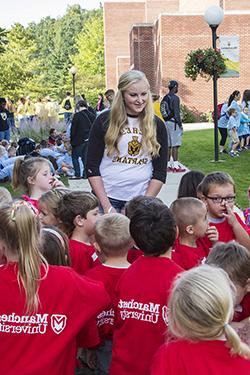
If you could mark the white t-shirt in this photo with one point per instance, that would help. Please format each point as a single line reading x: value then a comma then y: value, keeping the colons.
x: 128, y: 174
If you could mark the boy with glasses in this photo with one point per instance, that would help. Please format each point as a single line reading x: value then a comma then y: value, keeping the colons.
x: 218, y: 193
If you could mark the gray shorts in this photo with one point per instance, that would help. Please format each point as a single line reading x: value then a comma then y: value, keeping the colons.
x: 174, y: 134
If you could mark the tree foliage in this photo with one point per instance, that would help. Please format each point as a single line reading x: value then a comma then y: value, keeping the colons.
x: 36, y: 60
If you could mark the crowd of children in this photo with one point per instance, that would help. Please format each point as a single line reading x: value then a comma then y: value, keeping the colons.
x: 234, y: 120
x: 123, y: 294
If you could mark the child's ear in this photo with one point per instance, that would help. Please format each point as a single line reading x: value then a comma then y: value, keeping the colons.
x: 78, y: 221
x: 177, y: 232
x: 189, y: 229
x: 30, y: 180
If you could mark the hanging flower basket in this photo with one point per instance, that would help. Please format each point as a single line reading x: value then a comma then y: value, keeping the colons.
x: 204, y: 62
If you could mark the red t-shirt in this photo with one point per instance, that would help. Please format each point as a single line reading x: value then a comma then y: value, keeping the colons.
x: 141, y: 314
x: 201, y: 358
x: 134, y: 254
x: 242, y: 311
x: 225, y: 230
x: 33, y: 202
x: 186, y: 256
x: 109, y: 276
x: 82, y: 256
x: 45, y: 342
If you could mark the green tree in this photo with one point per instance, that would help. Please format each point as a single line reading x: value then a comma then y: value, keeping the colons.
x: 3, y: 39
x: 19, y: 67
x: 90, y: 57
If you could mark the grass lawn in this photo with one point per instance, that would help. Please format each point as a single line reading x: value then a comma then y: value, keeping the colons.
x: 197, y: 151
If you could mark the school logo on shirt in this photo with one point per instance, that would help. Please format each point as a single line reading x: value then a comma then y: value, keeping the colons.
x: 58, y: 323
x: 134, y: 146
x: 4, y: 116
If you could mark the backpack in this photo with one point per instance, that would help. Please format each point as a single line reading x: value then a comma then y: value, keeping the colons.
x: 166, y: 108
x: 219, y: 108
x: 67, y: 105
x: 25, y: 146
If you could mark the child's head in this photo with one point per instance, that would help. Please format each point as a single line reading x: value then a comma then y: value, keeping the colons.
x: 153, y: 228
x: 232, y: 112
x: 78, y: 209
x: 137, y: 202
x: 218, y: 192
x: 112, y: 235
x: 20, y: 242
x: 188, y: 184
x: 52, y: 132
x: 32, y: 173
x: 245, y: 110
x: 12, y: 152
x: 48, y: 205
x: 201, y: 306
x: 235, y: 260
x: 191, y: 216
x: 54, y: 246
x: 5, y: 196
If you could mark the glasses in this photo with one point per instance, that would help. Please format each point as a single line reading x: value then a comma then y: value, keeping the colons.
x: 219, y: 200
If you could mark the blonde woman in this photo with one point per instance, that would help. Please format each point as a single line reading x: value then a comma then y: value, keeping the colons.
x: 42, y: 308
x: 127, y: 150
x: 201, y: 308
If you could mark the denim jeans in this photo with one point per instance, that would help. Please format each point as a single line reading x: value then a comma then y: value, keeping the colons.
x: 117, y: 204
x: 5, y: 135
x: 67, y: 117
x: 79, y: 152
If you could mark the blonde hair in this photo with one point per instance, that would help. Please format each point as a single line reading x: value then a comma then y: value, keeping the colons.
x: 118, y: 117
x: 186, y: 211
x: 23, y: 169
x: 112, y: 234
x: 5, y: 196
x: 51, y: 199
x: 19, y: 231
x: 201, y: 307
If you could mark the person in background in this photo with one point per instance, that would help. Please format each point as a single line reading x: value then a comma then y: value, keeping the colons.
x: 189, y: 183
x: 171, y: 113
x: 109, y: 96
x: 100, y: 104
x: 233, y: 126
x: 233, y: 100
x: 222, y: 126
x: 68, y: 107
x: 11, y: 118
x: 79, y: 136
x: 243, y: 130
x: 246, y: 101
x: 157, y: 105
x: 4, y: 123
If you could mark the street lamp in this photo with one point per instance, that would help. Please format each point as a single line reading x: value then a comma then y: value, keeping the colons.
x: 73, y: 71
x: 214, y: 16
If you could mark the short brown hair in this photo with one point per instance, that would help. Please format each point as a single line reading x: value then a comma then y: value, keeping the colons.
x: 232, y: 258
x: 112, y: 234
x: 73, y: 204
x: 215, y: 178
x: 186, y: 212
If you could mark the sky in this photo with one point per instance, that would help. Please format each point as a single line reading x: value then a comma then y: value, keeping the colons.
x: 26, y: 11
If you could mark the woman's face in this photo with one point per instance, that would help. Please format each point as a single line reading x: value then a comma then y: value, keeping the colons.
x: 237, y: 97
x: 135, y: 98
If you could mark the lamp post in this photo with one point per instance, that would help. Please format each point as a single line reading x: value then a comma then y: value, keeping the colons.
x: 214, y: 16
x: 73, y: 71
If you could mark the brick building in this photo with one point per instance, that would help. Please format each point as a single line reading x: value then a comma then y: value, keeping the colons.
x: 156, y: 35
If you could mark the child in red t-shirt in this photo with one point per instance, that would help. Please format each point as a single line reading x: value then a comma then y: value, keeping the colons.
x: 218, y: 193
x: 200, y: 311
x: 45, y: 311
x: 78, y: 212
x: 235, y: 260
x: 142, y: 292
x: 112, y: 241
x: 191, y: 218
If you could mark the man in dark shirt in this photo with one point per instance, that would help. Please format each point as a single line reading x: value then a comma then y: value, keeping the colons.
x: 170, y: 110
x: 79, y: 135
x: 4, y: 124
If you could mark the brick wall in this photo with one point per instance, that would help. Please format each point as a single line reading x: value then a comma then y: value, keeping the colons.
x: 118, y: 21
x: 179, y: 35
